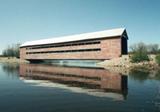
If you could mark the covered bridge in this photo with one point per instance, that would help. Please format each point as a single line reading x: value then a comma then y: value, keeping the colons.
x: 101, y: 45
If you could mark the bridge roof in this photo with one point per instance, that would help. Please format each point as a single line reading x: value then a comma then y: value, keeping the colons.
x: 78, y: 37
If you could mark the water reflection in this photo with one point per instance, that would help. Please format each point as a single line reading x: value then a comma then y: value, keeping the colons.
x: 144, y: 74
x: 11, y: 70
x: 97, y: 82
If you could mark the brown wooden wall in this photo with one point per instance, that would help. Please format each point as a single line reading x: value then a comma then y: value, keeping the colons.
x: 110, y: 48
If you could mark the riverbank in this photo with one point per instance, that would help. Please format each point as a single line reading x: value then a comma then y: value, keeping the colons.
x: 12, y: 60
x: 124, y: 65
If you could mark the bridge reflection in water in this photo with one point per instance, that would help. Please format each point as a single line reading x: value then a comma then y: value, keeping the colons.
x: 92, y: 81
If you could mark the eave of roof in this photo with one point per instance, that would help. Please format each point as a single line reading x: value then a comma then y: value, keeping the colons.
x: 78, y: 37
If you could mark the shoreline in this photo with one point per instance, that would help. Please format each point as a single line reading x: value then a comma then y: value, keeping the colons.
x: 124, y: 65
x: 12, y: 60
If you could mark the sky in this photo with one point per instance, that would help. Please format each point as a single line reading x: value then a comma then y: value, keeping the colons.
x: 25, y: 20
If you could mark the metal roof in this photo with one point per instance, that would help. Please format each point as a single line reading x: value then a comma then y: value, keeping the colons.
x: 78, y: 37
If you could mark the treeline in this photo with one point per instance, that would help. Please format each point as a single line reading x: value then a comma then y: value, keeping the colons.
x: 11, y: 51
x: 140, y: 51
x: 148, y: 48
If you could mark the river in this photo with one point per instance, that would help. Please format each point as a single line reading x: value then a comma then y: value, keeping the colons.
x: 50, y: 88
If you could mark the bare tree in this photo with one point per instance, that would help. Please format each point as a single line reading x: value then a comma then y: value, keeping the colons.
x: 153, y: 48
x: 11, y: 51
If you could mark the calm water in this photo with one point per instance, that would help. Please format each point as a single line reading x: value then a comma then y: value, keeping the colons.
x: 44, y: 88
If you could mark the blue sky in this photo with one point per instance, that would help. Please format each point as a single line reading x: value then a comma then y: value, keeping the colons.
x: 25, y: 20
